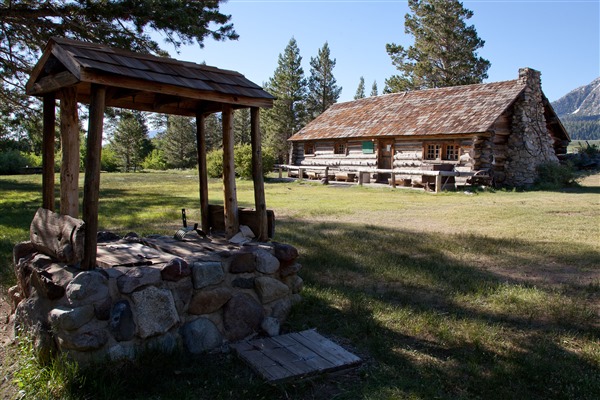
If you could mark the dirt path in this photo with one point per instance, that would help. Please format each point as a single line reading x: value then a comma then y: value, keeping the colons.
x: 7, y: 388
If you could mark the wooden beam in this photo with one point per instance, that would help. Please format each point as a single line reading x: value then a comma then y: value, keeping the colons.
x: 91, y: 186
x: 232, y: 225
x: 202, y: 173
x: 69, y: 167
x: 257, y: 175
x: 52, y: 83
x: 166, y: 89
x: 48, y: 151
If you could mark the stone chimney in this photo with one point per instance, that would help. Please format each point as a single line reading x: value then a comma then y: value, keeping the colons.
x: 530, y: 75
x: 530, y: 143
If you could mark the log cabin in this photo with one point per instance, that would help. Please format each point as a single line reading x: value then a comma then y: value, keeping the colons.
x: 500, y: 131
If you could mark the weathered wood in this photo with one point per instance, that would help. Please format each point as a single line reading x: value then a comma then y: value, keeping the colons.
x: 438, y: 183
x: 52, y: 83
x: 58, y: 236
x: 260, y: 203
x: 166, y: 89
x: 294, y: 356
x: 232, y: 225
x: 69, y: 167
x: 202, y: 172
x: 91, y: 186
x: 111, y: 255
x: 48, y: 151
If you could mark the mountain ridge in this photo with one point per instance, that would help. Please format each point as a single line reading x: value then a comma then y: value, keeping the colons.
x: 579, y: 111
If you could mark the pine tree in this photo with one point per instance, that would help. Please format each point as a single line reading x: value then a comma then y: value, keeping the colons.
x: 27, y: 26
x: 179, y: 142
x: 213, y: 125
x: 444, y: 52
x: 374, y: 91
x: 360, y: 90
x: 241, y: 126
x: 322, y: 88
x: 288, y: 114
x: 130, y: 140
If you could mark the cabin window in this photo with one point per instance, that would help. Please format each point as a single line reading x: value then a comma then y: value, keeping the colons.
x: 339, y: 148
x: 368, y: 147
x: 433, y: 151
x: 451, y: 152
x: 309, y: 149
x: 441, y: 151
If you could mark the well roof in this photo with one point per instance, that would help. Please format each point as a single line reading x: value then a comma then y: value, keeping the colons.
x: 443, y: 111
x: 141, y: 81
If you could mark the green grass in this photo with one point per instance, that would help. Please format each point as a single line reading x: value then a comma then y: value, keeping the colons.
x: 488, y: 295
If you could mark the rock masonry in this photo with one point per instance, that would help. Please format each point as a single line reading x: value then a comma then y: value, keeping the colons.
x: 195, y: 303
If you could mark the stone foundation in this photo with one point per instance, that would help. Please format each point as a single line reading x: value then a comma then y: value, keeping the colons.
x: 197, y: 302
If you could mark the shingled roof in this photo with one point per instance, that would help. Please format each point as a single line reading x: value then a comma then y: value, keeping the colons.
x: 144, y: 82
x: 443, y: 111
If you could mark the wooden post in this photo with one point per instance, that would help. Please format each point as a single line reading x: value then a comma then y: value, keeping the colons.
x: 438, y: 183
x: 91, y: 187
x: 232, y: 224
x: 69, y: 168
x: 260, y: 203
x: 202, y: 174
x: 326, y: 182
x: 280, y: 172
x: 360, y: 178
x: 300, y: 174
x: 48, y: 152
x: 393, y: 180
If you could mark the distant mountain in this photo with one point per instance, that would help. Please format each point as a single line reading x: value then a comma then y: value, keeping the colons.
x: 579, y: 111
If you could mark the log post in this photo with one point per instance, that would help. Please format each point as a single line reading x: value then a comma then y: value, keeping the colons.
x: 48, y: 151
x: 91, y: 186
x: 69, y: 168
x: 232, y: 224
x: 257, y: 175
x: 202, y: 173
x: 393, y: 180
x: 438, y: 183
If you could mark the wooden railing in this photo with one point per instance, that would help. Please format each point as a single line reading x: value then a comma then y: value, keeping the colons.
x: 360, y: 172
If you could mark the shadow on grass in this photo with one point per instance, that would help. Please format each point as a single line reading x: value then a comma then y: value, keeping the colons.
x: 456, y: 349
x: 393, y: 298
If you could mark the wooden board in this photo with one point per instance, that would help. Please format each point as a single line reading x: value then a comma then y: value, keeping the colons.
x: 110, y: 255
x: 191, y: 248
x: 294, y: 355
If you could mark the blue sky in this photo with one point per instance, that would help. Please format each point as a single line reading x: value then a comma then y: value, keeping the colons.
x: 559, y: 38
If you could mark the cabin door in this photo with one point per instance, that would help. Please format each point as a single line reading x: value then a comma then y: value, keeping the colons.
x: 385, y: 157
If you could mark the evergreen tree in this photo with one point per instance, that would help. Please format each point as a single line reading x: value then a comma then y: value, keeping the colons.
x: 288, y: 114
x: 374, y: 91
x: 179, y: 142
x: 213, y: 125
x: 130, y: 140
x: 444, y: 51
x: 241, y: 126
x: 360, y: 90
x: 28, y: 25
x: 322, y: 88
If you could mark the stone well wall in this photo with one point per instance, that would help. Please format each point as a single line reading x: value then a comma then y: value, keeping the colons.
x: 196, y: 303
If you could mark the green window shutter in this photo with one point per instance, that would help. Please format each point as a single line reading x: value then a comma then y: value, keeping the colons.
x: 367, y: 147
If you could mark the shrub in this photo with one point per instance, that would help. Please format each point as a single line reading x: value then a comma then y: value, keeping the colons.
x: 11, y: 161
x: 155, y: 160
x: 555, y: 176
x: 242, y: 159
x: 214, y: 163
x: 109, y: 161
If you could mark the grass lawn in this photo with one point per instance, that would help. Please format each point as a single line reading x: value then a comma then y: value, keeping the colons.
x: 489, y: 295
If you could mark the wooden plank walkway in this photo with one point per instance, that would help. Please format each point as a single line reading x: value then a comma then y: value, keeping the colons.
x: 294, y: 355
